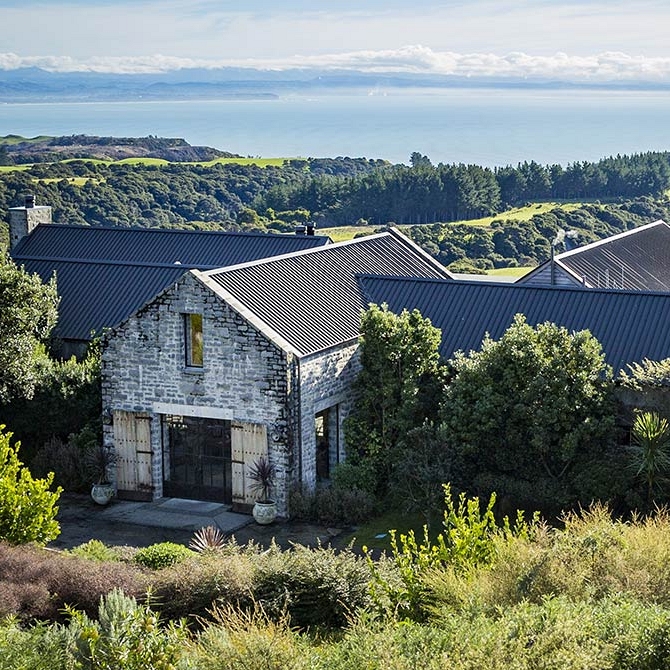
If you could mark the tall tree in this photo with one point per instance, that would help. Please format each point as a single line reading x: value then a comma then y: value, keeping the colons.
x: 400, y: 359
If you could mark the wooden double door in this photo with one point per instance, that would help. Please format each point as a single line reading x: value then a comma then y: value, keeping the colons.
x: 202, y: 458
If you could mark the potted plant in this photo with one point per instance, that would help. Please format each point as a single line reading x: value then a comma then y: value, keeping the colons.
x: 100, y: 461
x: 262, y: 473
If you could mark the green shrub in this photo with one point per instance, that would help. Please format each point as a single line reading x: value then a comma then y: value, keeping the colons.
x: 65, y: 460
x: 469, y: 540
x: 27, y: 506
x: 162, y: 555
x: 333, y: 506
x: 192, y: 587
x: 95, y: 550
x: 361, y: 476
x: 249, y: 640
x: 40, y: 647
x: 315, y: 587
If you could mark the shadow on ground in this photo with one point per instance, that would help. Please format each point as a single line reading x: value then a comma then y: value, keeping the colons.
x: 172, y: 520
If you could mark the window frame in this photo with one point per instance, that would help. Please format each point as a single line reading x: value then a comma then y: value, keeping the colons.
x: 193, y: 340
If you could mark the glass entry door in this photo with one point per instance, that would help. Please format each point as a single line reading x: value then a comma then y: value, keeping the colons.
x: 197, y: 459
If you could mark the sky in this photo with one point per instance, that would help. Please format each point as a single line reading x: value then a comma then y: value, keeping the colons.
x: 591, y: 40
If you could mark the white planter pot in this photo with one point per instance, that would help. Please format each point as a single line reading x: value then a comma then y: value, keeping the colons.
x: 102, y: 493
x: 265, y: 512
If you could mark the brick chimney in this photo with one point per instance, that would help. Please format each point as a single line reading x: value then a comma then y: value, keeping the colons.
x: 23, y: 220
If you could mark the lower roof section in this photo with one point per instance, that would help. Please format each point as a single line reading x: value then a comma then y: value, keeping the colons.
x: 630, y: 326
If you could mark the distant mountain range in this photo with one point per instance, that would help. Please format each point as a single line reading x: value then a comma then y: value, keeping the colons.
x: 37, y: 85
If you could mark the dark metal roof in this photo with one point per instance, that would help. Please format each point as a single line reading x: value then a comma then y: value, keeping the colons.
x: 94, y: 297
x: 636, y: 260
x: 312, y: 299
x: 105, y: 274
x: 191, y: 248
x: 630, y: 326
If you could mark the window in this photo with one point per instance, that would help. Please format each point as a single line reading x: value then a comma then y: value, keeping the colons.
x: 326, y: 427
x: 193, y: 340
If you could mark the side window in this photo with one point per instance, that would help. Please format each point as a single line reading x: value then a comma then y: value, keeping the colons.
x: 193, y: 340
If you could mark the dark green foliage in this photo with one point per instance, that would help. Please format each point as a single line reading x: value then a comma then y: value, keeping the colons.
x: 341, y: 504
x: 162, y: 555
x: 422, y: 463
x: 399, y: 357
x: 535, y: 406
x: 66, y: 402
x: 651, y: 451
x: 316, y: 588
x: 27, y: 316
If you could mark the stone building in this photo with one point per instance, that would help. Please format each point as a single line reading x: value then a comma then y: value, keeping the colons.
x: 254, y: 360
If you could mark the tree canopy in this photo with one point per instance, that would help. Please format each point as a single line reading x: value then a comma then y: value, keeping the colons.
x: 400, y: 365
x: 533, y: 406
x: 28, y: 313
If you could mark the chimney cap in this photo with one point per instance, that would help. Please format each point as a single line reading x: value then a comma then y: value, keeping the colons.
x: 301, y: 230
x: 29, y: 200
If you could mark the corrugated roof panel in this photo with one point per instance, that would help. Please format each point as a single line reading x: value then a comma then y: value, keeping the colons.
x: 95, y: 297
x: 192, y: 248
x: 312, y: 299
x: 637, y: 260
x: 105, y: 274
x: 630, y: 325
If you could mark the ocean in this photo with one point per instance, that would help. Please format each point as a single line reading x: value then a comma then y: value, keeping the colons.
x: 490, y: 127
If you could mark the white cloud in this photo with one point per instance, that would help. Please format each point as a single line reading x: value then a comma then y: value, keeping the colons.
x: 417, y: 59
x: 222, y: 29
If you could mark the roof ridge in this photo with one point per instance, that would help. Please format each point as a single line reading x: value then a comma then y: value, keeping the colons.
x: 107, y: 261
x: 295, y: 254
x: 176, y: 231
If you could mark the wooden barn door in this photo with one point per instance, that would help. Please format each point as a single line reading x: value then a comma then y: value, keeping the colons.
x: 249, y: 442
x: 132, y: 441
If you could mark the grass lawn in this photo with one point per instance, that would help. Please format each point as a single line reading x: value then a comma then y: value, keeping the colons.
x: 344, y: 233
x: 17, y: 139
x: 514, y: 214
x: 260, y: 162
x: 375, y: 534
x: 15, y: 168
x: 509, y: 272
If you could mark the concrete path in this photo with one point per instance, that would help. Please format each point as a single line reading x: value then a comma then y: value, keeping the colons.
x: 177, y: 513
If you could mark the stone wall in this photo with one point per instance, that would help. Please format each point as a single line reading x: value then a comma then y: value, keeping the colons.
x: 325, y: 382
x: 244, y: 376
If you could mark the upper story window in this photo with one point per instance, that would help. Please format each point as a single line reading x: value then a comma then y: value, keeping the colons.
x: 193, y: 340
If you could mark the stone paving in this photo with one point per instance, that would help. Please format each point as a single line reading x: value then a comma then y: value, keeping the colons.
x: 141, y: 524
